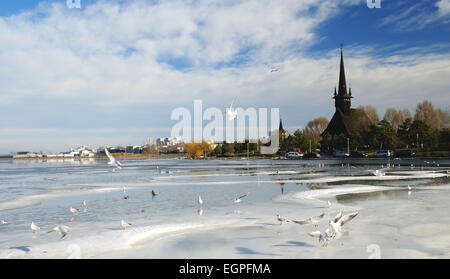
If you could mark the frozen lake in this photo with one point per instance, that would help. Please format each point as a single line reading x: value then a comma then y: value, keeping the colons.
x: 392, y: 221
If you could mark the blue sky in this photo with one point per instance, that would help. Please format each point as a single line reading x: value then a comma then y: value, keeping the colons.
x: 112, y: 72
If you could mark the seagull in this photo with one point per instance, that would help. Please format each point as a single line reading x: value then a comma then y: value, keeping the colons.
x: 200, y: 211
x: 154, y: 194
x: 34, y: 228
x: 127, y: 198
x: 84, y: 203
x: 409, y: 188
x: 311, y: 220
x: 328, y: 204
x: 379, y: 172
x: 125, y: 224
x: 3, y: 222
x: 124, y: 189
x: 73, y: 210
x: 281, y: 219
x: 231, y: 112
x: 238, y: 199
x: 63, y: 230
x: 323, y: 237
x: 112, y: 160
x: 200, y: 201
x: 338, y: 221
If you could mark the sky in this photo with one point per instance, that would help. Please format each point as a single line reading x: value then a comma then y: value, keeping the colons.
x: 111, y: 72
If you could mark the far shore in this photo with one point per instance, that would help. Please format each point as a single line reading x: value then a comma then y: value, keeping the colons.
x: 128, y: 156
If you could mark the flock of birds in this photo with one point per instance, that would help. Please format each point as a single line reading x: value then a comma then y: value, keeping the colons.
x: 63, y: 230
x: 333, y: 230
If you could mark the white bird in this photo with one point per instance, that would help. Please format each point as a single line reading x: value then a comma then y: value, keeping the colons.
x: 125, y: 224
x: 328, y: 204
x: 63, y: 230
x: 239, y: 199
x: 281, y: 219
x: 409, y: 188
x: 124, y: 189
x: 34, y: 228
x: 231, y: 112
x: 73, y: 210
x: 379, y: 172
x: 200, y: 201
x: 311, y: 220
x: 323, y: 237
x: 200, y: 211
x: 84, y: 203
x: 338, y: 221
x: 112, y: 160
x: 3, y: 222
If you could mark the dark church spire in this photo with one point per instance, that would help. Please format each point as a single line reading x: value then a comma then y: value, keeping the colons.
x: 343, y: 98
x: 342, y: 82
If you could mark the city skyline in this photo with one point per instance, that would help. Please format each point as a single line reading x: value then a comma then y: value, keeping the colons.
x: 111, y: 72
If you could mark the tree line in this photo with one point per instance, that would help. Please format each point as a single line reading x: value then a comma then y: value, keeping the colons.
x: 427, y: 130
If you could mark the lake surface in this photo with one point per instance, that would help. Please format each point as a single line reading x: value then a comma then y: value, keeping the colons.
x: 402, y: 223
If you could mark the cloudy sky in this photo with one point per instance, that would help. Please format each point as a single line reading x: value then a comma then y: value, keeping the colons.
x: 111, y: 72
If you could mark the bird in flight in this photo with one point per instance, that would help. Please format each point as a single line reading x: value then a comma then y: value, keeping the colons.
x: 63, y: 230
x: 231, y: 112
x: 112, y: 160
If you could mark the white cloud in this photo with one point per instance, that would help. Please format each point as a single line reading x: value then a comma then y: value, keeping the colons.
x: 112, y: 55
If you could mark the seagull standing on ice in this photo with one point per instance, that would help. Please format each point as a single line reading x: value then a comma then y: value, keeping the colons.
x: 73, y: 210
x: 3, y: 222
x: 281, y: 219
x: 63, y: 230
x: 200, y: 201
x: 328, y: 204
x: 154, y: 194
x: 125, y: 224
x: 34, y: 228
x: 112, y: 160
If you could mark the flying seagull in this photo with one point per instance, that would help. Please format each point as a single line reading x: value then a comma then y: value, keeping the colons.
x: 231, y: 112
x: 63, y: 230
x: 34, y: 228
x: 323, y: 237
x: 125, y: 224
x: 3, y: 222
x: 238, y: 199
x: 339, y: 221
x: 311, y: 220
x: 112, y: 160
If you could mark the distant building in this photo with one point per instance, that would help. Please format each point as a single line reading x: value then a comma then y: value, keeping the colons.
x: 345, y: 119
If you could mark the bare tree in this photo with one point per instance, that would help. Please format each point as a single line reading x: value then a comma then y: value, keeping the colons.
x: 426, y: 113
x: 371, y: 113
x: 315, y: 128
x: 396, y: 117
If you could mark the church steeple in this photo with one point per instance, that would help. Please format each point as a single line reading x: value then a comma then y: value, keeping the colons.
x: 342, y: 82
x: 343, y: 98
